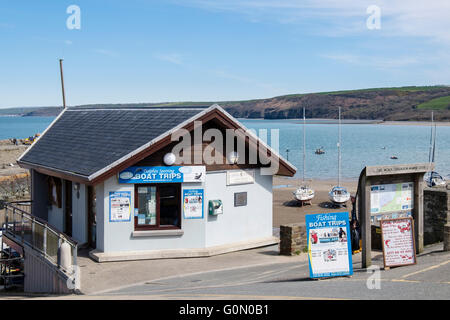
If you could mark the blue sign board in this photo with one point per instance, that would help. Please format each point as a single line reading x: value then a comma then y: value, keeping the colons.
x: 119, y: 206
x: 163, y: 174
x: 329, y: 245
x: 193, y: 200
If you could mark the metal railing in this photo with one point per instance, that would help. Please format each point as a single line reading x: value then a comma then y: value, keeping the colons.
x: 25, y: 228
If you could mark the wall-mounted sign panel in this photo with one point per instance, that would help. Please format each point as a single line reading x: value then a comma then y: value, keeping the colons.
x: 398, y: 242
x: 240, y: 177
x: 119, y: 206
x: 193, y: 203
x: 240, y: 199
x: 329, y: 246
x: 399, y: 169
x: 391, y: 197
x: 163, y: 174
x: 376, y: 219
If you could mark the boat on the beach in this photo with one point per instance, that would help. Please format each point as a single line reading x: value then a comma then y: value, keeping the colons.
x: 433, y: 178
x: 338, y: 194
x: 304, y: 193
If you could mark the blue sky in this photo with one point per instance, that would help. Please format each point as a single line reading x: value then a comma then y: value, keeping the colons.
x: 212, y: 50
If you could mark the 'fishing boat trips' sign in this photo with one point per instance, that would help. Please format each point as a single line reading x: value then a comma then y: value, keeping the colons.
x: 329, y: 245
x: 163, y: 174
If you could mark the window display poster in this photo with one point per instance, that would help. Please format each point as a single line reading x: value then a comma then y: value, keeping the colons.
x: 119, y: 206
x: 329, y: 245
x: 193, y: 203
x: 398, y: 242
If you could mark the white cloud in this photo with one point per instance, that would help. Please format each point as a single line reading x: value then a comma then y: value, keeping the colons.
x: 374, y: 61
x: 411, y: 18
x: 108, y: 53
x: 174, y: 58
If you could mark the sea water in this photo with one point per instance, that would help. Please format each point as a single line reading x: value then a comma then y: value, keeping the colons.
x: 22, y: 127
x: 362, y: 144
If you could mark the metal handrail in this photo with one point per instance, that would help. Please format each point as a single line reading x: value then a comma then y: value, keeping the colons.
x: 11, y: 226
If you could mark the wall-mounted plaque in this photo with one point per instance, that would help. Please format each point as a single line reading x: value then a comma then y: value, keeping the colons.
x: 240, y: 199
x: 240, y: 177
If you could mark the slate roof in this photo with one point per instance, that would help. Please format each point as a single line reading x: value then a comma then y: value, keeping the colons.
x: 85, y: 140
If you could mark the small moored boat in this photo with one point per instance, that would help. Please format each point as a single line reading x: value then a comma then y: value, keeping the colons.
x: 433, y: 179
x: 304, y: 193
x: 319, y: 151
x: 338, y: 194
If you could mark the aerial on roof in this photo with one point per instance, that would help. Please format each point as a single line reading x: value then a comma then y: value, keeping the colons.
x: 86, y: 141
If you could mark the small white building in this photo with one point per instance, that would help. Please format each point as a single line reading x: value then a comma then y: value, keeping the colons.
x: 106, y: 177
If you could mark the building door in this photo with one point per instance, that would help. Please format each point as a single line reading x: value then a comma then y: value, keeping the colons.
x: 92, y: 220
x: 68, y: 208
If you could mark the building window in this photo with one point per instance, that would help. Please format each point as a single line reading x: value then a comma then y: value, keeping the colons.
x: 158, y: 206
x: 54, y: 191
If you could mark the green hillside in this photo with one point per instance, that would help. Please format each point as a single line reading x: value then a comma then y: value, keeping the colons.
x: 436, y: 104
x: 395, y: 104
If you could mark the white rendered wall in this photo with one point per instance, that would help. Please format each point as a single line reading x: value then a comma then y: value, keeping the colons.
x: 237, y: 224
x: 118, y: 236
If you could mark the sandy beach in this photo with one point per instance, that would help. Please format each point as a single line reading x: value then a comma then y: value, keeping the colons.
x: 9, y: 153
x: 286, y: 210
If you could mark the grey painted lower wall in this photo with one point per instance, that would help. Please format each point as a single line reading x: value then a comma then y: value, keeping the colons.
x: 41, y: 276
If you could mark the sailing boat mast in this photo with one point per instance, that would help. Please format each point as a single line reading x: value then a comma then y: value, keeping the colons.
x: 434, y: 141
x: 304, y: 145
x: 339, y: 150
x: 431, y: 139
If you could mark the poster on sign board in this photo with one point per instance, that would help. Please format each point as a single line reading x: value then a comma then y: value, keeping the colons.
x: 398, y: 242
x: 329, y: 245
x: 119, y: 206
x: 193, y: 203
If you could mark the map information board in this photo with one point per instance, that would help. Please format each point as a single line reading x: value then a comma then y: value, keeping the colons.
x: 391, y: 197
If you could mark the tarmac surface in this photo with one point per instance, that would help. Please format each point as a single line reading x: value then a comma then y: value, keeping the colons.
x: 261, y: 274
x: 428, y: 279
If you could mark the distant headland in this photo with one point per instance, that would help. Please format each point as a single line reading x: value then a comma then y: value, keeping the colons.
x: 411, y: 103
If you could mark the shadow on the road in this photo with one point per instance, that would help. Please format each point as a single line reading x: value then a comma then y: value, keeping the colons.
x: 291, y: 280
x: 270, y: 253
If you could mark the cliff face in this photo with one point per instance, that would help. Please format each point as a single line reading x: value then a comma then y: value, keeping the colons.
x: 384, y: 104
x: 44, y: 112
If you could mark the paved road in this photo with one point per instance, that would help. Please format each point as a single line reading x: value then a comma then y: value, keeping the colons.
x: 428, y: 279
